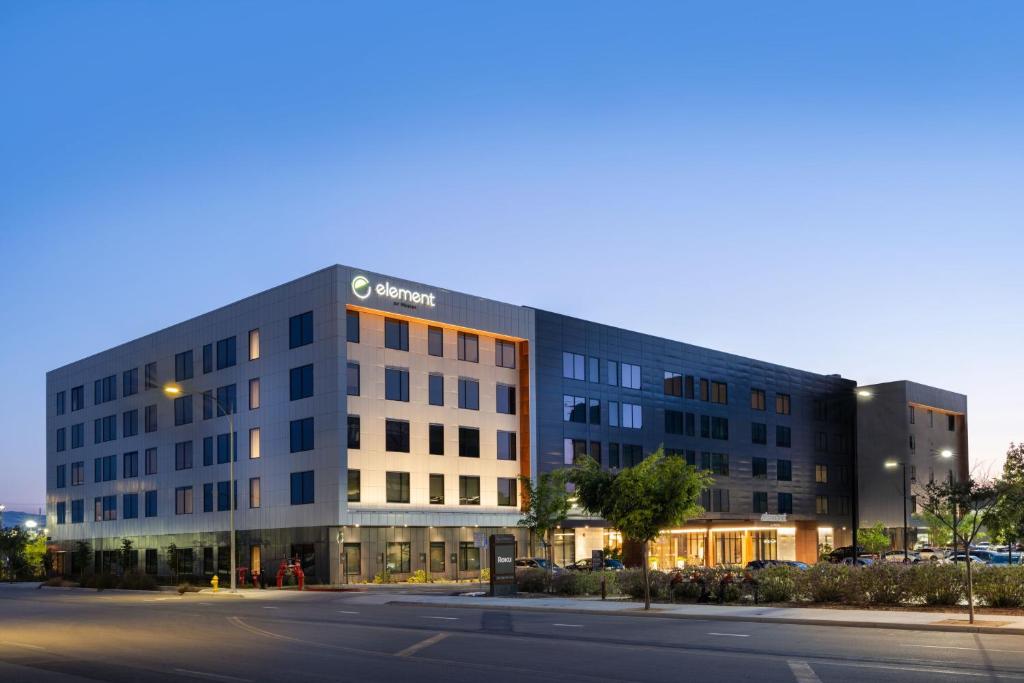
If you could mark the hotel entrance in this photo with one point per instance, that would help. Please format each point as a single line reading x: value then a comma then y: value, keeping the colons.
x: 722, y: 546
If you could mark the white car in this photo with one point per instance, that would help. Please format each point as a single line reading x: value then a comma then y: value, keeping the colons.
x: 897, y: 556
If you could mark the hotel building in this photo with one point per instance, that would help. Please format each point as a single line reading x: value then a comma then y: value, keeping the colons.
x: 381, y: 424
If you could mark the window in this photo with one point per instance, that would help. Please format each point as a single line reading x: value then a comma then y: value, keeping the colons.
x: 151, y: 560
x: 397, y: 487
x: 396, y: 384
x: 469, y: 557
x: 254, y: 443
x: 61, y: 440
x: 504, y: 354
x: 129, y: 382
x: 227, y: 400
x: 573, y: 450
x: 437, y: 556
x: 106, y: 508
x: 783, y: 436
x: 300, y: 330
x: 691, y: 424
x: 595, y: 411
x: 78, y: 435
x: 912, y: 414
x: 224, y: 496
x: 705, y: 390
x: 355, y: 486
x: 574, y: 365
x: 225, y: 353
x: 931, y: 418
x: 130, y: 465
x: 183, y: 366
x: 436, y: 438
x: 396, y: 334
x: 469, y: 347
x: 844, y: 505
x: 130, y: 505
x: 507, y: 492
x: 951, y: 423
x: 632, y: 416
x: 254, y: 344
x: 105, y: 468
x: 612, y: 370
x: 77, y: 511
x: 821, y: 505
x: 435, y: 341
x: 759, y: 468
x: 183, y: 455
x: 821, y: 441
x: 302, y: 488
x: 130, y: 422
x: 630, y: 376
x: 757, y: 397
x: 352, y: 326
x: 673, y: 384
x: 77, y: 398
x: 183, y: 410
x: 786, y: 503
x: 61, y: 512
x: 574, y: 409
x: 207, y: 359
x: 301, y: 435
x: 595, y: 451
x: 224, y: 443
x: 716, y: 463
x: 820, y: 410
x: 105, y: 389
x: 207, y: 451
x: 104, y: 429
x: 758, y: 433
x: 469, y: 394
x: 760, y: 501
x: 469, y: 490
x: 152, y: 381
x: 301, y: 382
x: 150, y: 418
x: 720, y: 428
x: 719, y: 392
x: 437, y: 489
x: 353, y: 379
x: 435, y: 389
x: 613, y: 455
x: 183, y: 500
x: 784, y: 470
x: 715, y: 500
x: 396, y: 436
x: 61, y: 476
x: 60, y: 403
x: 399, y: 558
x: 353, y: 432
x: 469, y: 442
x: 254, y: 393
x: 254, y: 492
x: 507, y: 445
x: 821, y: 474
x: 913, y: 442
x: 506, y: 399
x: 705, y: 427
x: 782, y: 404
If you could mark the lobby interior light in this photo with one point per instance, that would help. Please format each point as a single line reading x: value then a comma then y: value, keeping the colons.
x: 891, y: 464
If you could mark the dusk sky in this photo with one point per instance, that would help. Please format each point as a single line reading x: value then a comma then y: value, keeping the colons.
x: 834, y: 187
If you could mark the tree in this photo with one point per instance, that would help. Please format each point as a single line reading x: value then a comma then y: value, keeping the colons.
x: 1005, y: 521
x: 939, y: 535
x: 83, y: 557
x: 125, y: 554
x: 172, y: 560
x: 961, y: 506
x: 642, y: 501
x: 13, y: 543
x: 548, y: 505
x: 874, y: 539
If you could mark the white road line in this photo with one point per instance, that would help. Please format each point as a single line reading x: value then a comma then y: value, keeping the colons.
x: 923, y: 669
x: 444, y: 618
x: 346, y: 611
x: 954, y: 647
x: 416, y: 647
x: 25, y: 645
x: 569, y: 625
x: 216, y: 677
x: 802, y: 671
x: 268, y: 607
x: 733, y: 635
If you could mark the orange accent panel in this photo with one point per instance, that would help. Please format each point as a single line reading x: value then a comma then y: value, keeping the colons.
x: 434, y: 323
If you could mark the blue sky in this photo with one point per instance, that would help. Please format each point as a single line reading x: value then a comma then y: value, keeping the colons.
x: 836, y: 188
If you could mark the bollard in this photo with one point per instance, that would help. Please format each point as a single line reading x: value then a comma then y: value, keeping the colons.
x: 604, y: 586
x: 215, y: 582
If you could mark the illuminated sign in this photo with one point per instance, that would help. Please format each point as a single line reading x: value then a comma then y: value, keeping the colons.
x: 769, y: 517
x: 362, y: 288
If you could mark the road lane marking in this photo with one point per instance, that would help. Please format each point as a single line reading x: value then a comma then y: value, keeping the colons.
x: 346, y: 611
x: 802, y: 671
x: 25, y: 645
x: 427, y: 642
x: 732, y: 635
x: 216, y: 677
x: 569, y: 625
x: 267, y: 607
x: 954, y: 647
x: 444, y: 618
x: 922, y: 669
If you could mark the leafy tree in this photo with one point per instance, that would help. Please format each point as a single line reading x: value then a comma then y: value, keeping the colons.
x: 642, y: 501
x: 548, y: 504
x: 172, y: 560
x: 939, y: 535
x: 874, y: 539
x: 83, y: 557
x: 1005, y: 521
x: 125, y: 554
x: 13, y: 543
x: 35, y: 556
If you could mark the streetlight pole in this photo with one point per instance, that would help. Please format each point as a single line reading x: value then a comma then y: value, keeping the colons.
x: 892, y: 464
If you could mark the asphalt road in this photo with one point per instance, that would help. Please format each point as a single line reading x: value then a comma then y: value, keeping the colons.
x: 71, y: 635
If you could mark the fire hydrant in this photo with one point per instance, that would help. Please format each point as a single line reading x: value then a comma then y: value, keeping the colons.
x: 215, y: 582
x: 300, y: 576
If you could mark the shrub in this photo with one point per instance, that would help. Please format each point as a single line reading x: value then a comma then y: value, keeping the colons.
x: 384, y: 576
x: 883, y: 583
x: 100, y: 581
x: 58, y: 582
x: 485, y: 574
x: 999, y: 586
x: 584, y: 583
x: 938, y: 584
x: 777, y: 584
x: 186, y: 587
x: 137, y: 581
x: 825, y: 582
x: 686, y: 591
x: 420, y: 576
x: 631, y: 583
x: 532, y: 580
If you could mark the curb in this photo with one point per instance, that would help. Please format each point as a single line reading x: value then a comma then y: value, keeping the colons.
x: 799, y: 621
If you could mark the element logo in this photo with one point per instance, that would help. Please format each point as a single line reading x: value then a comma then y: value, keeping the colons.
x: 361, y: 287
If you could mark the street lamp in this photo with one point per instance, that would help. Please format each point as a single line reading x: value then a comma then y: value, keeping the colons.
x: 2, y: 508
x: 174, y: 391
x: 890, y: 465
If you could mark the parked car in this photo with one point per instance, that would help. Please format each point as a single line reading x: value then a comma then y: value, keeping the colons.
x: 794, y: 563
x: 586, y: 565
x: 844, y: 552
x: 898, y: 556
x: 525, y: 563
x: 961, y: 557
x: 927, y: 553
x: 861, y: 561
x: 992, y: 557
x: 762, y: 564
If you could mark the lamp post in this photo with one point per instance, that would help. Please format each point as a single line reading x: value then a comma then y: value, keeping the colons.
x: 174, y: 391
x: 2, y: 508
x: 892, y: 464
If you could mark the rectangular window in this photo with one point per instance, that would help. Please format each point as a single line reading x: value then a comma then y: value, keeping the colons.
x: 225, y: 353
x: 574, y: 365
x: 759, y: 468
x: 630, y: 376
x: 227, y: 400
x: 223, y: 446
x: 397, y: 487
x: 507, y: 492
x: 595, y: 411
x: 130, y: 465
x: 613, y: 413
x: 77, y: 511
x: 104, y: 429
x: 469, y: 557
x: 130, y: 382
x: 574, y: 409
x: 951, y: 423
x: 758, y: 433
x: 786, y: 503
x: 469, y: 347
x: 224, y: 496
x: 716, y: 463
x: 507, y: 445
x: 254, y: 443
x: 77, y: 398
x: 183, y: 500
x: 352, y: 326
x: 207, y: 358
x: 612, y: 373
x: 469, y: 394
x: 506, y: 399
x: 782, y: 406
x: 396, y: 384
x: 254, y: 393
x: 301, y: 435
x: 632, y: 416
x: 760, y: 501
x: 913, y: 442
x: 254, y: 344
x: 183, y: 366
x: 396, y: 334
x: 105, y: 389
x: 183, y: 410
x: 613, y: 455
x: 302, y: 488
x: 931, y: 418
x: 150, y: 418
x: 61, y: 440
x: 820, y: 410
x: 130, y: 503
x: 913, y: 414
x: 437, y: 489
x: 436, y: 439
x: 720, y: 428
x: 399, y: 559
x: 783, y: 436
x: 78, y: 435
x: 152, y: 381
x: 354, y: 436
x: 130, y: 422
x: 183, y: 455
x: 437, y: 557
x: 355, y: 486
x: 300, y: 330
x: 254, y: 492
x: 300, y: 382
x: 757, y: 399
x: 469, y: 442
x: 784, y: 470
x: 821, y: 505
x: 593, y: 369
x: 821, y: 441
x: 61, y: 512
x: 469, y: 490
x: 705, y: 390
x: 705, y: 427
x: 60, y: 403
x: 61, y: 476
x: 691, y: 424
x: 352, y: 379
x: 719, y: 392
x: 435, y: 341
x: 504, y: 354
x: 396, y: 436
x: 435, y: 389
x: 673, y: 384
x: 821, y: 474
x: 207, y: 451
x: 595, y: 451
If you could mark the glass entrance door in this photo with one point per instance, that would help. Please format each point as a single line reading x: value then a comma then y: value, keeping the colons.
x: 352, y: 559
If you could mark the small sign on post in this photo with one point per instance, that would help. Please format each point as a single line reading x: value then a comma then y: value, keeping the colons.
x: 503, y: 564
x: 597, y: 560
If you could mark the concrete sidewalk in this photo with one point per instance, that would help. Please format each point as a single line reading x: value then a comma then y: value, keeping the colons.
x: 860, y: 618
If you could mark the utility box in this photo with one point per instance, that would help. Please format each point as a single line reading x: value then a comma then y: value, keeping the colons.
x: 502, y: 549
